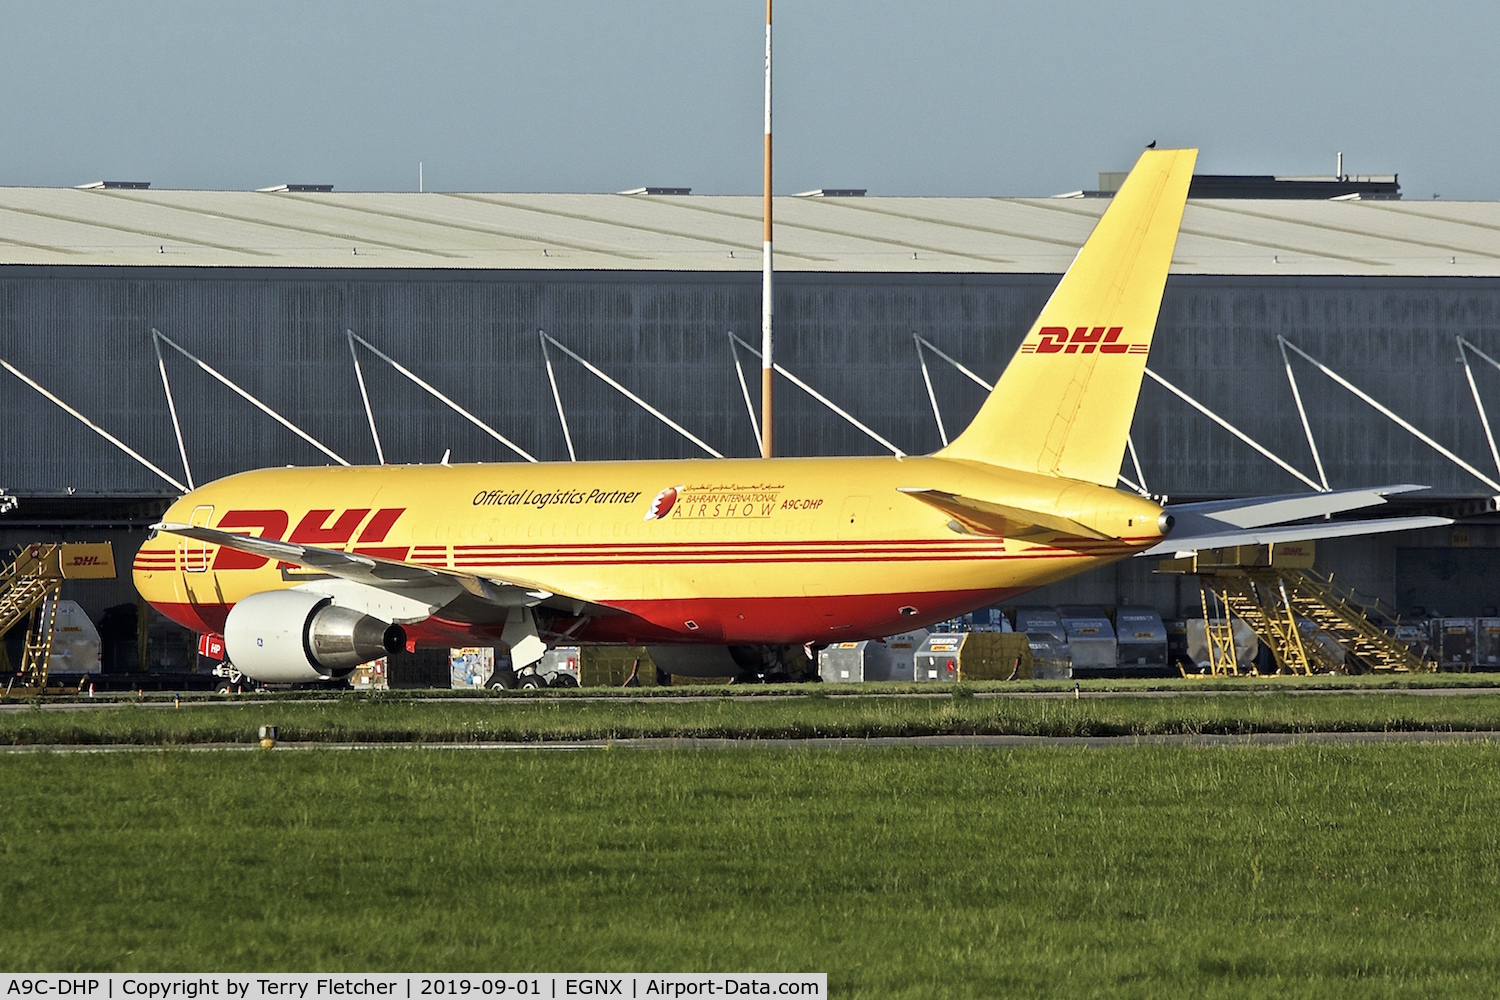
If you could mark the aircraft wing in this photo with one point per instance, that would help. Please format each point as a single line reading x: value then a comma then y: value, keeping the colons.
x: 982, y: 517
x: 429, y: 585
x: 1254, y: 512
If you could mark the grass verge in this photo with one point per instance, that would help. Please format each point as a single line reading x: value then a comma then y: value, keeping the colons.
x: 1311, y: 871
x: 363, y: 719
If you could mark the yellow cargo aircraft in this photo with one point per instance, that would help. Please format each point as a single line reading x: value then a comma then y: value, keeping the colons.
x: 308, y: 572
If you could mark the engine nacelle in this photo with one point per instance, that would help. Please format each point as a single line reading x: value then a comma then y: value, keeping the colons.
x: 291, y: 636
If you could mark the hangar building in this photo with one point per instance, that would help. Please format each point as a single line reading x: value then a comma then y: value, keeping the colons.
x: 265, y: 311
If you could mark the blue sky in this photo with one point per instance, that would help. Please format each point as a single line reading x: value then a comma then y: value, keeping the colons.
x: 936, y: 98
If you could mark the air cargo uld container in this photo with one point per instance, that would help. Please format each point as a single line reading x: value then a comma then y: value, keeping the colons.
x: 903, y: 653
x: 1246, y: 645
x: 1487, y: 644
x: 1047, y: 620
x: 973, y: 656
x: 471, y: 666
x: 987, y: 620
x: 75, y: 641
x: 616, y: 666
x: 852, y: 662
x: 1177, y: 646
x: 1091, y: 640
x: 559, y: 666
x: 1455, y: 642
x: 937, y: 658
x: 1050, y: 659
x: 1142, y: 641
x: 888, y: 659
x: 994, y: 656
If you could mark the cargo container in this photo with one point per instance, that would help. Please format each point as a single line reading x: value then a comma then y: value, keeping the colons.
x: 1416, y: 636
x: 1029, y: 620
x: 1455, y: 642
x: 1141, y: 638
x: 1091, y: 640
x: 903, y: 651
x: 1487, y: 644
x: 1050, y: 658
x: 937, y: 658
x: 888, y: 659
x: 973, y: 656
x: 1177, y: 646
x: 994, y: 656
x: 853, y: 662
x: 616, y: 666
x: 983, y: 620
x: 1246, y: 645
x: 75, y: 642
x: 471, y: 666
x: 559, y: 666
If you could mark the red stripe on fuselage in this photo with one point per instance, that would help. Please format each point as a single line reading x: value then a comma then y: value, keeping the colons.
x: 720, y: 620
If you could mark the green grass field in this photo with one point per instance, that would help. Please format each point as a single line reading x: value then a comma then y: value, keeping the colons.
x: 358, y: 718
x: 1309, y: 871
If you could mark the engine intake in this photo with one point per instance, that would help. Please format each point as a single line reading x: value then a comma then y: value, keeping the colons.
x: 290, y: 636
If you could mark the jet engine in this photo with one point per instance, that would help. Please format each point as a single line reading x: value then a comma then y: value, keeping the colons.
x: 289, y: 636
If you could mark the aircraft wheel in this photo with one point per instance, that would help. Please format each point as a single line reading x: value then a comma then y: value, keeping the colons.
x: 564, y: 680
x: 531, y: 682
x: 778, y: 677
x: 223, y: 687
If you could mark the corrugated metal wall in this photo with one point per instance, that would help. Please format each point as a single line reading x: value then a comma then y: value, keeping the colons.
x: 84, y: 333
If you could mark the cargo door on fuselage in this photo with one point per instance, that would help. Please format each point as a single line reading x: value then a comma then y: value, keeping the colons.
x: 195, y: 552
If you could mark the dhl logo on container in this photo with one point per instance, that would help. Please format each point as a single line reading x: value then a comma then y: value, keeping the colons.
x: 1082, y: 340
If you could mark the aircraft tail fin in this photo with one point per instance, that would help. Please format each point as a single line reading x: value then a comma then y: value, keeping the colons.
x: 1065, y: 402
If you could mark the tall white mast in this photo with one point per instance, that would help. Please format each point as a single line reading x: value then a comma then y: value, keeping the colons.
x: 766, y: 363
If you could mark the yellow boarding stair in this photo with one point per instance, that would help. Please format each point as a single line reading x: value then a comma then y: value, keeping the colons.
x: 1274, y: 596
x: 29, y: 587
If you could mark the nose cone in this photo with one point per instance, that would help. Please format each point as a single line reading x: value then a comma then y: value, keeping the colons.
x: 159, y: 577
x: 155, y: 571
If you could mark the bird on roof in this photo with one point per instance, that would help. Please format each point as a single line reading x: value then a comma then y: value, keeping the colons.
x: 1151, y: 144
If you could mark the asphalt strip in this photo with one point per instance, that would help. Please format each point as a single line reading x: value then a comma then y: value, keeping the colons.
x: 676, y: 743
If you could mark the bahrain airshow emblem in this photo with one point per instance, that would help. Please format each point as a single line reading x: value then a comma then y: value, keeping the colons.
x: 662, y: 505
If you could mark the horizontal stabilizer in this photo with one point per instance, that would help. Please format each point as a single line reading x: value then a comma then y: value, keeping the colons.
x: 982, y: 517
x: 1181, y: 545
x: 1253, y: 512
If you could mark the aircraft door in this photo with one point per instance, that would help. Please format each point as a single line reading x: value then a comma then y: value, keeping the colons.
x: 195, y: 553
x: 852, y: 517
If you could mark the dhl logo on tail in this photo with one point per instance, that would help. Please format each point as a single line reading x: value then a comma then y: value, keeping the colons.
x: 1083, y: 340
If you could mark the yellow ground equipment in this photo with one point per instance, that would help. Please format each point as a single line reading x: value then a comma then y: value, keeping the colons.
x: 1276, y: 592
x: 29, y: 587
